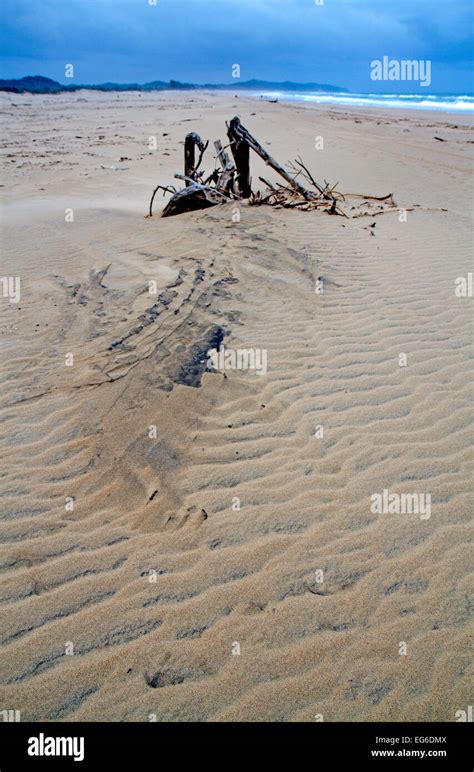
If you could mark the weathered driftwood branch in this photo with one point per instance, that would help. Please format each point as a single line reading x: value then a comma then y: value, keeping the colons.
x: 240, y: 150
x: 307, y: 174
x: 225, y: 181
x: 195, y: 196
x: 232, y: 180
x: 190, y: 142
x: 370, y: 198
x: 222, y: 156
x: 165, y: 189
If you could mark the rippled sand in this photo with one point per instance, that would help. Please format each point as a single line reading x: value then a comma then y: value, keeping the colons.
x: 135, y: 567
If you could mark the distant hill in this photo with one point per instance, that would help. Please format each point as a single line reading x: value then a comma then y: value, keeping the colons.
x: 34, y: 84
x: 287, y: 85
x: 37, y: 84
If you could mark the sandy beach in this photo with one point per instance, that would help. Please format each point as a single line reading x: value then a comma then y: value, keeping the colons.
x: 179, y: 545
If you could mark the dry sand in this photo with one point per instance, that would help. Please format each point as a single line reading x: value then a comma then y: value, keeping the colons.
x: 81, y: 622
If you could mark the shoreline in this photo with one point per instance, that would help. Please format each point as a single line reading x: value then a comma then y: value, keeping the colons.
x: 354, y: 102
x: 440, y: 116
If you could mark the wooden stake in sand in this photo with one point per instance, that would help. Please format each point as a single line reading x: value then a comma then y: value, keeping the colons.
x: 243, y: 139
x: 225, y: 182
x: 190, y: 166
x: 240, y: 150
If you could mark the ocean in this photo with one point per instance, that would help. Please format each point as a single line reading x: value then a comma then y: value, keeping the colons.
x: 443, y: 103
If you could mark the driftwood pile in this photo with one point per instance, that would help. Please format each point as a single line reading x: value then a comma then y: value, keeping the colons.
x: 231, y: 180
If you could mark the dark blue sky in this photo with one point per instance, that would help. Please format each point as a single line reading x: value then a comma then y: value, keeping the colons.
x: 199, y: 40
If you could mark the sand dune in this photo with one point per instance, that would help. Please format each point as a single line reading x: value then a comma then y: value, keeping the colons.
x: 133, y: 564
